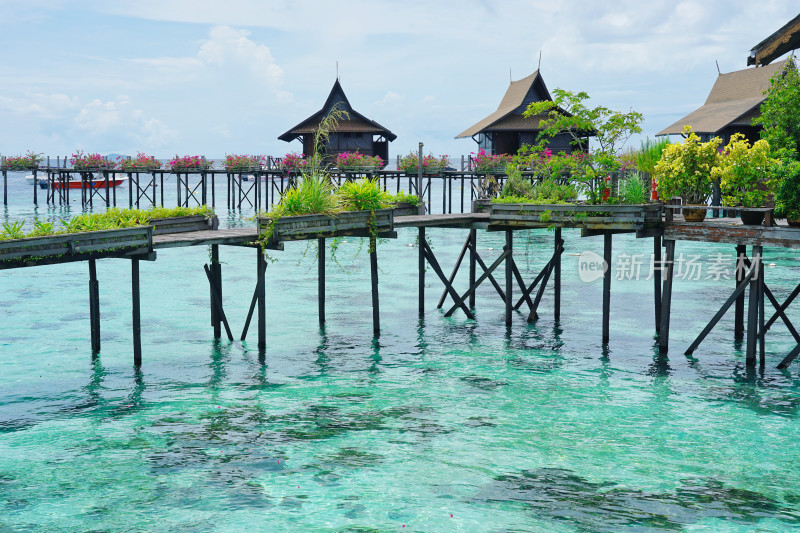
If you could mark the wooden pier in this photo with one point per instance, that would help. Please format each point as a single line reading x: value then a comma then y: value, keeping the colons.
x: 645, y: 222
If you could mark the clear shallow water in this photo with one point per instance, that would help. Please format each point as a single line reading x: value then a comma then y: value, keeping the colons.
x: 529, y: 429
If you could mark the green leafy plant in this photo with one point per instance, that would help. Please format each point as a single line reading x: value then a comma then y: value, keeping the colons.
x: 649, y: 153
x: 404, y: 198
x: 13, y: 230
x: 685, y: 169
x: 745, y: 172
x: 243, y: 163
x: 42, y: 229
x: 516, y: 184
x: 787, y: 193
x: 362, y: 195
x: 780, y: 111
x: 633, y: 189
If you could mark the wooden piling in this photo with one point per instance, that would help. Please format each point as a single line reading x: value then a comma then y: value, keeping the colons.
x: 607, y: 286
x: 421, y: 270
x: 261, y: 267
x: 137, y: 324
x: 557, y: 276
x: 657, y: 280
x: 216, y: 286
x: 373, y: 263
x: 753, y: 307
x: 94, y: 306
x: 321, y: 279
x: 35, y: 187
x: 666, y: 295
x: 509, y: 274
x: 473, y: 252
x: 738, y: 320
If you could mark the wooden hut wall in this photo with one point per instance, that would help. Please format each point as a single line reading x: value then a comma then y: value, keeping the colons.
x: 350, y: 142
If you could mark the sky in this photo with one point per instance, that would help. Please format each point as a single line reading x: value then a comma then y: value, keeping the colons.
x: 199, y: 77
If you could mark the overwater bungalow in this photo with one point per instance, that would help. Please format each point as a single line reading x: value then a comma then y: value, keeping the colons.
x: 505, y: 130
x: 354, y: 133
x: 734, y: 101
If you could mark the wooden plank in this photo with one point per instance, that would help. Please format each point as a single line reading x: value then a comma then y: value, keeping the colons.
x: 732, y: 233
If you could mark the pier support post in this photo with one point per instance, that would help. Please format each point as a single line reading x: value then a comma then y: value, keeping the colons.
x: 261, y: 267
x: 94, y: 306
x: 373, y: 264
x: 321, y: 279
x: 666, y: 296
x: 421, y: 268
x: 607, y: 286
x: 738, y: 320
x: 754, y: 307
x: 509, y: 274
x: 657, y: 265
x: 557, y: 276
x: 35, y: 187
x: 473, y: 252
x: 216, y: 285
x: 137, y: 323
x: 5, y: 187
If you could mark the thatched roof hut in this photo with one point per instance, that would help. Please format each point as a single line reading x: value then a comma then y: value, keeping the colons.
x: 505, y: 130
x: 356, y: 132
x: 731, y: 106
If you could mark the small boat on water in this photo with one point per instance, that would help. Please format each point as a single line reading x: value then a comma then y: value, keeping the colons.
x: 75, y: 182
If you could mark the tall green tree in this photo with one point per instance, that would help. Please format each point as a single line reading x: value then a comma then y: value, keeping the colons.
x: 780, y: 112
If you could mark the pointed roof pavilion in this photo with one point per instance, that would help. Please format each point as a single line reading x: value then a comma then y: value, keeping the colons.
x: 732, y: 104
x: 508, y: 116
x: 356, y: 123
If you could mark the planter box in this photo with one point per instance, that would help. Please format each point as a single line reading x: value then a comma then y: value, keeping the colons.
x: 576, y: 215
x: 304, y: 227
x: 481, y: 205
x: 404, y: 209
x: 140, y: 237
x: 181, y: 224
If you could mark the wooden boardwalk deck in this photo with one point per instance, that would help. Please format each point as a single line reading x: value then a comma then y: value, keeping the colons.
x: 732, y: 231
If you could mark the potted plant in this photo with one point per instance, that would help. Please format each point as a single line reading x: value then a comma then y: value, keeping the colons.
x: 243, y: 163
x: 684, y: 170
x: 29, y: 161
x: 355, y: 161
x: 491, y: 164
x: 189, y: 163
x: 142, y: 163
x: 294, y: 162
x: 81, y: 161
x: 430, y: 164
x: 746, y: 176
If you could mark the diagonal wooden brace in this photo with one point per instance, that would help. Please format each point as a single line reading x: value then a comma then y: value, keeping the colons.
x: 487, y: 274
x: 448, y: 284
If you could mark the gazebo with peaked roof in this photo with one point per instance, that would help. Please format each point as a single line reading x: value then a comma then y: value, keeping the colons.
x: 354, y: 133
x: 506, y: 130
x: 734, y: 101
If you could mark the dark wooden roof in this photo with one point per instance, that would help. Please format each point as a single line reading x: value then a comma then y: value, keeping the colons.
x: 784, y: 40
x: 734, y: 100
x: 508, y: 116
x: 356, y: 123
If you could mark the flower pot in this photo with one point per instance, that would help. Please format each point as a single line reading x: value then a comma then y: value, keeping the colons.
x: 752, y: 218
x: 793, y: 222
x: 696, y: 214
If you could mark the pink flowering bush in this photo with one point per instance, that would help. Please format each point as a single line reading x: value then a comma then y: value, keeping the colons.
x: 294, y: 162
x: 189, y: 163
x: 29, y: 161
x: 244, y: 162
x: 143, y: 162
x: 430, y: 163
x: 81, y: 161
x: 485, y: 162
x: 358, y: 160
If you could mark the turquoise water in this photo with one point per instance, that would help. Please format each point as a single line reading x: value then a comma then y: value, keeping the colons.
x: 442, y: 424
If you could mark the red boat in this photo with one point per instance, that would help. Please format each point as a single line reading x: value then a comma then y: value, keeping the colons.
x: 75, y: 182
